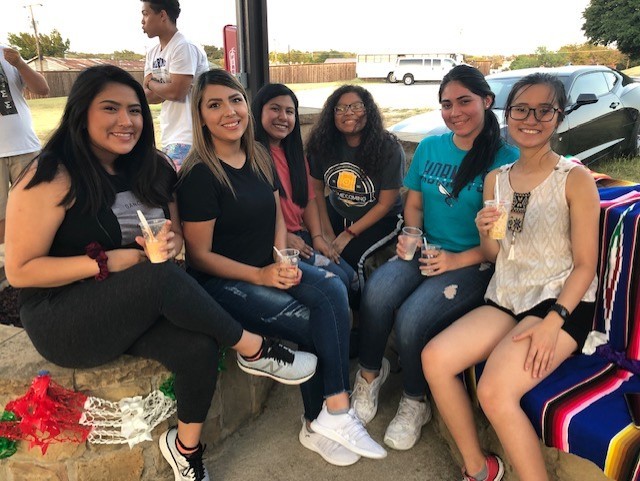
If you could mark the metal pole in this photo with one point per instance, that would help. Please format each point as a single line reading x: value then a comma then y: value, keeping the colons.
x: 253, y: 43
x: 35, y: 31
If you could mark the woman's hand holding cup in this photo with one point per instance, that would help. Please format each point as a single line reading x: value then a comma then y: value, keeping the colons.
x: 158, y: 242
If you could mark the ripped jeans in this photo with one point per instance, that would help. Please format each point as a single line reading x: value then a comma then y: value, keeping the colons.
x: 420, y: 306
x: 313, y: 314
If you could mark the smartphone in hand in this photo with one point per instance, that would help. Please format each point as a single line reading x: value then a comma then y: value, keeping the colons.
x: 633, y: 404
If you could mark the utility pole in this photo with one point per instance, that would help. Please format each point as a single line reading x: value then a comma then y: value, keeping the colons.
x: 35, y: 31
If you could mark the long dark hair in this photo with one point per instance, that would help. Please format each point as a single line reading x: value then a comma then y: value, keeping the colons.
x: 376, y: 146
x: 486, y: 145
x: 291, y: 144
x: 151, y: 175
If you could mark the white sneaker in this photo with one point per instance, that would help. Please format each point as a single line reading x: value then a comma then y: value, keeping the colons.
x: 364, y: 398
x: 280, y: 363
x: 404, y: 429
x: 347, y: 429
x: 184, y: 469
x: 331, y: 451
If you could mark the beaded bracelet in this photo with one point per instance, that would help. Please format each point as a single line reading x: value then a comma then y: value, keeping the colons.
x: 95, y: 251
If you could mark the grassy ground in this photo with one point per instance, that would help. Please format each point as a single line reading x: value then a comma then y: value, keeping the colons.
x: 46, y: 114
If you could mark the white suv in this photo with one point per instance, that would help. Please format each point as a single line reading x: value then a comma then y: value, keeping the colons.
x: 410, y: 70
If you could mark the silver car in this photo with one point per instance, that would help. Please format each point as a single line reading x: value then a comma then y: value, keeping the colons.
x: 602, y: 116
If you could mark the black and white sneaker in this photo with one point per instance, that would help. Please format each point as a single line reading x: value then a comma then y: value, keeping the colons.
x: 185, y: 468
x: 281, y: 363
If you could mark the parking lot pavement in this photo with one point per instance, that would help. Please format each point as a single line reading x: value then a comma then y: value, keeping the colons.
x: 267, y: 448
x: 390, y: 96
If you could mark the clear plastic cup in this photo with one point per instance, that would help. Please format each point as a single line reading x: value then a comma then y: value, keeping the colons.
x: 412, y: 238
x: 154, y: 247
x: 499, y: 228
x: 429, y: 251
x: 289, y: 257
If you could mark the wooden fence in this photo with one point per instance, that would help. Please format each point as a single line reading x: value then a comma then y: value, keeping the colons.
x: 312, y: 73
x: 60, y: 82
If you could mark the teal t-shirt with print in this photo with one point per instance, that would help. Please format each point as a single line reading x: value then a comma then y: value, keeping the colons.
x: 449, y: 221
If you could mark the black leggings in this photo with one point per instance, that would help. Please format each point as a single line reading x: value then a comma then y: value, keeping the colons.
x: 155, y: 311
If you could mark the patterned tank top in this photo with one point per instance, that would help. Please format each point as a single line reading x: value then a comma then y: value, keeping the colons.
x: 535, y: 257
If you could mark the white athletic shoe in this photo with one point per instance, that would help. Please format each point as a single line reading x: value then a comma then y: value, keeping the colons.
x: 184, y: 469
x: 405, y: 428
x: 347, y: 429
x: 331, y: 451
x: 364, y: 398
x: 281, y: 363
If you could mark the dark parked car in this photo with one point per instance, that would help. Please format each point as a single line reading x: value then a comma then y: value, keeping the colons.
x: 602, y: 116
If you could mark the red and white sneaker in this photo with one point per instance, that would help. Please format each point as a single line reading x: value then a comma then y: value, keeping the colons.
x: 495, y: 468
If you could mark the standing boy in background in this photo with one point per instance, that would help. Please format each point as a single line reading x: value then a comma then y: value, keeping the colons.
x: 18, y: 141
x: 170, y: 69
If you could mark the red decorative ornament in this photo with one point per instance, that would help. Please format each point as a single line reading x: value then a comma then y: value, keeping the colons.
x: 47, y: 413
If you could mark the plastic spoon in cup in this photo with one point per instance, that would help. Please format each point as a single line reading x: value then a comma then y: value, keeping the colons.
x: 145, y: 224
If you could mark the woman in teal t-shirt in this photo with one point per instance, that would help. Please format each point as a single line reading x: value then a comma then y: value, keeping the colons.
x: 424, y: 295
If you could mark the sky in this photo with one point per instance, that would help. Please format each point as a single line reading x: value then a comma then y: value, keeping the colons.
x: 471, y: 27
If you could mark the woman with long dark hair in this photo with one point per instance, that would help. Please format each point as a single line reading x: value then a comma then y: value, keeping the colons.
x: 89, y: 293
x: 275, y: 110
x: 424, y: 295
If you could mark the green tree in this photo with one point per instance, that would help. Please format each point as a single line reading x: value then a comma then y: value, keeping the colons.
x: 541, y: 58
x: 126, y: 55
x: 215, y: 55
x: 614, y: 21
x: 51, y: 45
x: 590, y: 54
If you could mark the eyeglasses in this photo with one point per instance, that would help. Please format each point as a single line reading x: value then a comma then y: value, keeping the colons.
x: 541, y: 114
x: 355, y: 107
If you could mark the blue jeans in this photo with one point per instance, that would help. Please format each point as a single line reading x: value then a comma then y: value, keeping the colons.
x: 343, y: 270
x: 313, y: 314
x: 423, y: 306
x: 177, y: 153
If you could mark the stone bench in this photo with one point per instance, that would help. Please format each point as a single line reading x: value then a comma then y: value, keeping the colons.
x: 238, y: 398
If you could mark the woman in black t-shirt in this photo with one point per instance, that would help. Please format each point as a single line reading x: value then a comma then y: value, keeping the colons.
x: 89, y: 294
x: 362, y: 164
x: 230, y: 207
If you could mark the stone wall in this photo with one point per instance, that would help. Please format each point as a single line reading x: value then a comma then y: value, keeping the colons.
x: 238, y: 398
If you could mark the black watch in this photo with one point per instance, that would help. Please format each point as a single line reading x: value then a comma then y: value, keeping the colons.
x: 562, y: 311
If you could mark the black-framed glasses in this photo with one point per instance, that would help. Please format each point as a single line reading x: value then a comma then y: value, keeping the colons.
x: 541, y: 114
x: 355, y: 107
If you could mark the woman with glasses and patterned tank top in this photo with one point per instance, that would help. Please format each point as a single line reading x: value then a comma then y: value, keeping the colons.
x: 540, y: 301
